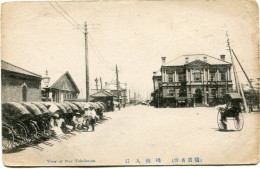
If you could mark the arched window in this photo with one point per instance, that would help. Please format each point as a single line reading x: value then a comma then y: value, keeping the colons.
x: 24, y: 93
x: 197, y: 75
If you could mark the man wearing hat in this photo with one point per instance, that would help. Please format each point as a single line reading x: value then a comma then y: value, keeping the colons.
x: 77, y: 120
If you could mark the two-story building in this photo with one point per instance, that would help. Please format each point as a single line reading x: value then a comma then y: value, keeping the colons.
x: 112, y: 87
x: 193, y: 80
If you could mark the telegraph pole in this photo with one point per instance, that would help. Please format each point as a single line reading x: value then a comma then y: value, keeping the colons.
x: 238, y: 84
x: 86, y: 61
x: 117, y: 85
x: 129, y: 95
x: 233, y: 64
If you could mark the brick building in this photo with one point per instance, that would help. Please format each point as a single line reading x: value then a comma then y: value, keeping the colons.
x: 192, y: 80
x: 18, y: 84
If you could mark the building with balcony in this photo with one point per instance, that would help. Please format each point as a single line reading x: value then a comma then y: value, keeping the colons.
x: 192, y: 80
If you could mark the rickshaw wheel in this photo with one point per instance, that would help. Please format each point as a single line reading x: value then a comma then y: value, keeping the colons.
x: 239, y: 122
x: 20, y: 134
x: 220, y: 123
x: 7, y: 139
x: 32, y: 134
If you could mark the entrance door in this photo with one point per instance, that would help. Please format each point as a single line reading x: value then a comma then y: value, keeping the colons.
x: 198, y: 96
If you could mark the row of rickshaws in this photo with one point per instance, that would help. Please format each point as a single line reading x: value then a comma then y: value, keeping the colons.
x: 27, y: 123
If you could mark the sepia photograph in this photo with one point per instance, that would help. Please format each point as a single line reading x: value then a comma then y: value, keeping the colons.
x: 130, y: 83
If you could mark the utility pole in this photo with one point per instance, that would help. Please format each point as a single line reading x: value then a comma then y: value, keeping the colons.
x: 233, y: 64
x: 96, y: 80
x: 249, y: 80
x: 86, y: 61
x: 239, y: 86
x: 101, y: 84
x: 129, y: 95
x: 117, y: 85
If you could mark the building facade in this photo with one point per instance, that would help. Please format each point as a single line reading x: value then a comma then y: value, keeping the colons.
x: 63, y: 89
x: 112, y: 87
x: 192, y: 80
x: 19, y: 85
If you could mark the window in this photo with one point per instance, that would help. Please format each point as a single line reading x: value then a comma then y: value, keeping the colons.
x: 181, y: 77
x: 222, y: 92
x: 213, y: 93
x: 24, y: 93
x: 212, y: 76
x: 222, y: 76
x: 170, y: 77
x: 197, y: 75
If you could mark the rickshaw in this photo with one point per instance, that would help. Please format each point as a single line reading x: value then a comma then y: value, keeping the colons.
x: 36, y: 118
x: 46, y: 115
x: 232, y: 111
x: 15, y: 126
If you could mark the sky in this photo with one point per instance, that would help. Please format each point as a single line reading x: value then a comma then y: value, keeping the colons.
x: 131, y: 34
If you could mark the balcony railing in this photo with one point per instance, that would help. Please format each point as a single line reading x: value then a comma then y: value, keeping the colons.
x: 196, y: 82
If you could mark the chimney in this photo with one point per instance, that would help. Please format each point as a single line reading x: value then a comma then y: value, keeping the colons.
x: 106, y: 83
x: 186, y: 60
x: 222, y: 57
x: 154, y: 73
x: 205, y: 59
x: 163, y: 61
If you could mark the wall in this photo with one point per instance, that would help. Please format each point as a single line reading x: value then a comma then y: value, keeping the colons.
x: 12, y: 89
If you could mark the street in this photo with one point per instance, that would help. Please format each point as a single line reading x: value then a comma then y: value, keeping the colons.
x: 142, y: 135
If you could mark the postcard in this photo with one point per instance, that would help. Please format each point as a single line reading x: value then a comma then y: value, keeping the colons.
x: 130, y: 83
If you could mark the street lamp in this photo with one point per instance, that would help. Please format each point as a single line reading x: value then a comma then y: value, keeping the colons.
x: 46, y: 79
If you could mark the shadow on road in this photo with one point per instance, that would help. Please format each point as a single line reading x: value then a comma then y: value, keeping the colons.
x: 217, y: 129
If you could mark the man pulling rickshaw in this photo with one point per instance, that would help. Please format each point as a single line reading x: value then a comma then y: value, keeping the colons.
x: 231, y: 111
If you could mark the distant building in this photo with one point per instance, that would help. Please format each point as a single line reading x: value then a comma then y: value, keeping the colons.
x: 18, y: 84
x: 112, y: 87
x: 63, y: 89
x: 192, y: 80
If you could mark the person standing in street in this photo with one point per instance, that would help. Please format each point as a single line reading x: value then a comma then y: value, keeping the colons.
x: 92, y: 117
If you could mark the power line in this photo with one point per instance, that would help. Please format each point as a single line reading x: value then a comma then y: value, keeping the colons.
x: 65, y: 17
x: 69, y: 15
x: 78, y: 26
x: 96, y: 47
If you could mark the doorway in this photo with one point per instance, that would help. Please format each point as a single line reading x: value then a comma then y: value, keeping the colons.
x: 198, y: 96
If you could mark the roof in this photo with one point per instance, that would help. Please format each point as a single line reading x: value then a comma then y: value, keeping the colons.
x: 12, y: 68
x: 102, y: 93
x: 65, y: 82
x: 180, y: 61
x: 232, y: 96
x: 113, y: 86
x: 158, y: 73
x: 123, y: 86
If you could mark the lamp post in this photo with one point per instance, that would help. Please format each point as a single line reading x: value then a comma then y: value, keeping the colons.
x: 46, y: 81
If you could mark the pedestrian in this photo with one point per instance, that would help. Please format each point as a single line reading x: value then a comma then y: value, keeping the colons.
x: 112, y: 105
x: 92, y: 117
x: 86, y: 116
